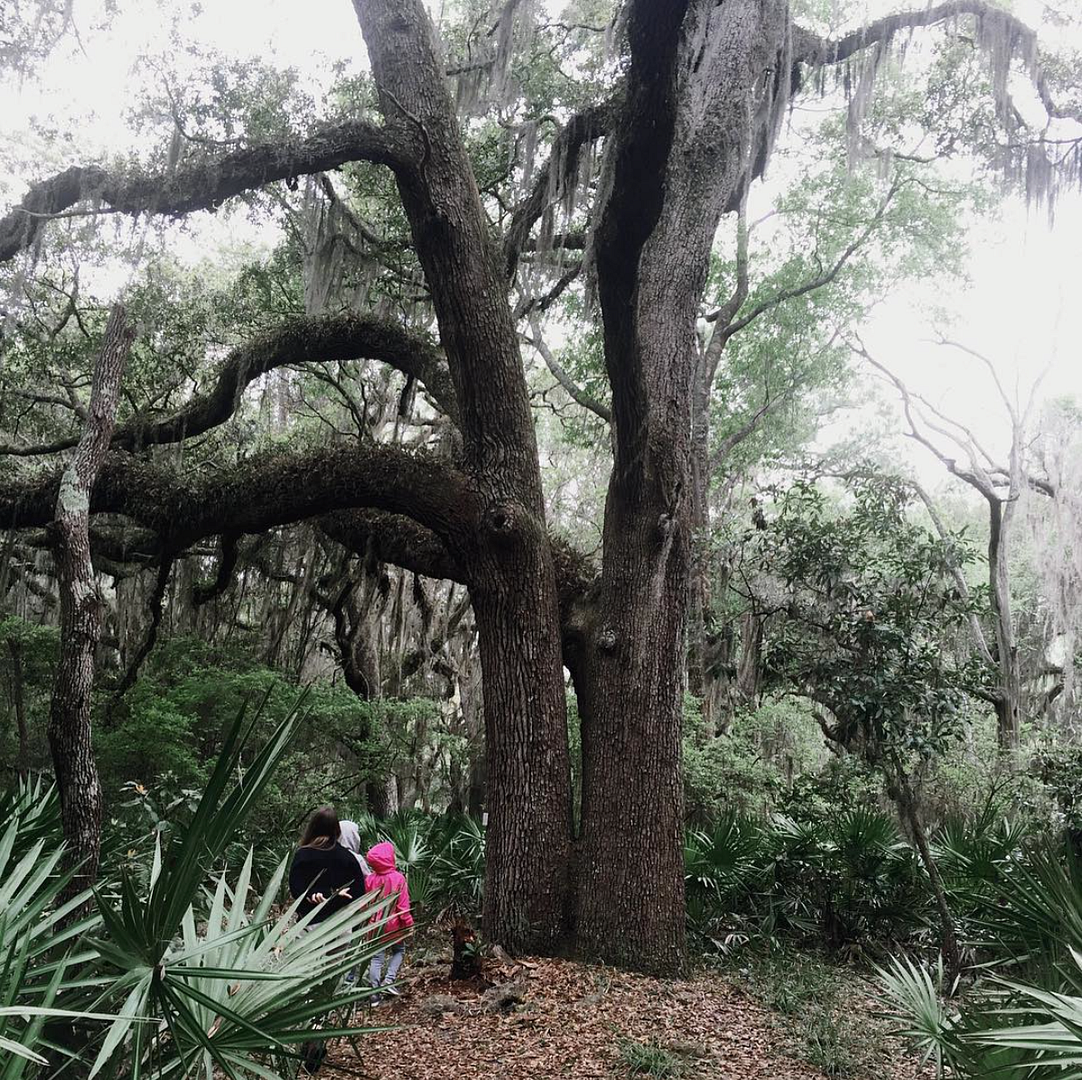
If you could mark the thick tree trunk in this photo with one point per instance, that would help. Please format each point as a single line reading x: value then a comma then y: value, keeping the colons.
x: 527, y: 765
x: 678, y: 158
x: 512, y: 580
x: 80, y: 615
x: 631, y: 879
x: 383, y: 797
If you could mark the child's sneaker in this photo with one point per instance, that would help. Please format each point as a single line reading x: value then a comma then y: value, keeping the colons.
x: 392, y: 990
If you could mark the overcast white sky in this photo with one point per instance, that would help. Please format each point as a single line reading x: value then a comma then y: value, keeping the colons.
x: 1024, y: 308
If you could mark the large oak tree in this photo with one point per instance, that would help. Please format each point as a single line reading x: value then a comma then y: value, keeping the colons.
x: 688, y: 125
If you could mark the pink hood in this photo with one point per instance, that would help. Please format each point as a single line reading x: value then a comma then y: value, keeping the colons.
x: 381, y: 858
x: 387, y: 881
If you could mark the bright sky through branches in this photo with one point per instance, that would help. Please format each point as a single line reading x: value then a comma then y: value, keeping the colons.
x: 1024, y: 308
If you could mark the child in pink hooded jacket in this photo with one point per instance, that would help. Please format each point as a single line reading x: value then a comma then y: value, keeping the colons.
x: 387, y: 881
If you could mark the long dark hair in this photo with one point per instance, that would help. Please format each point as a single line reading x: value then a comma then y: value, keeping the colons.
x: 322, y: 829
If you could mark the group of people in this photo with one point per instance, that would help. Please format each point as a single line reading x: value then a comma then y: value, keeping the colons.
x: 329, y: 873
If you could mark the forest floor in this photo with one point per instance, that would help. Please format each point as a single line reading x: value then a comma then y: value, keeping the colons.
x: 561, y: 1018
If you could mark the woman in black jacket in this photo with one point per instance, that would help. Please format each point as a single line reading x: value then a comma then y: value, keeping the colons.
x: 323, y: 869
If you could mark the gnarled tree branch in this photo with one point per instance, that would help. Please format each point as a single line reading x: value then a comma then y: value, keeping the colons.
x: 203, y: 185
x: 260, y: 493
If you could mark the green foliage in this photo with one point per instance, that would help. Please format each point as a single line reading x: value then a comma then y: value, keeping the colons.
x: 160, y: 743
x: 168, y: 977
x: 1029, y: 924
x: 443, y: 858
x: 749, y: 767
x: 871, y: 609
x: 828, y: 1043
x: 28, y: 655
x: 1059, y: 767
x: 915, y: 1000
x: 40, y: 935
x: 1052, y: 1045
x: 846, y: 879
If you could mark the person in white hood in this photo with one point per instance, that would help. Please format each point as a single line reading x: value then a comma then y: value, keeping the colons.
x: 350, y: 838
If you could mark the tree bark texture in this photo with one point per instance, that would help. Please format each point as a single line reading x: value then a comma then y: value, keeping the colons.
x: 512, y: 581
x: 678, y: 157
x: 80, y: 614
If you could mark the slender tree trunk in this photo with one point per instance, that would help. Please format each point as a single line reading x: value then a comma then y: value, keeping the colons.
x: 906, y: 801
x: 749, y: 669
x: 1009, y: 691
x: 80, y: 614
x: 18, y: 701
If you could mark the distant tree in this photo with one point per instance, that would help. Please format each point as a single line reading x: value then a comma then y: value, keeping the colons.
x: 1002, y: 483
x: 863, y: 616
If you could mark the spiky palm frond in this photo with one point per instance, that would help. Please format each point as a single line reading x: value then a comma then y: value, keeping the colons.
x: 34, y: 927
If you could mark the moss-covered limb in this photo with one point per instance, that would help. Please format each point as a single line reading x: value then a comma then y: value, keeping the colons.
x: 259, y: 494
x: 810, y: 48
x: 392, y: 538
x: 557, y: 173
x: 301, y: 340
x: 203, y: 185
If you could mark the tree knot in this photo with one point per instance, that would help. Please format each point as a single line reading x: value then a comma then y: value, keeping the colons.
x: 606, y: 641
x: 502, y: 521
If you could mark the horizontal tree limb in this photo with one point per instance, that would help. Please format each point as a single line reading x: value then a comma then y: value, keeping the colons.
x: 203, y: 185
x: 258, y: 494
x: 810, y: 48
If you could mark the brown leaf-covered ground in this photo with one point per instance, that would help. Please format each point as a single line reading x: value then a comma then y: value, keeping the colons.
x: 570, y: 1019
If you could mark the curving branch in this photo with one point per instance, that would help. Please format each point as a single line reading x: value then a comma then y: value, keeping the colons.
x: 203, y: 185
x: 725, y: 316
x: 975, y: 628
x: 204, y: 592
x: 258, y: 494
x: 161, y: 584
x: 574, y: 391
x: 816, y: 51
x: 393, y: 538
x: 810, y: 48
x: 305, y: 339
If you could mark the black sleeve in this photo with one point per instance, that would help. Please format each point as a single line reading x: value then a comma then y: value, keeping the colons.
x: 299, y: 875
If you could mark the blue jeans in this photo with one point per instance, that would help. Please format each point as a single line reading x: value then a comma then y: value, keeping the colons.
x: 376, y: 967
